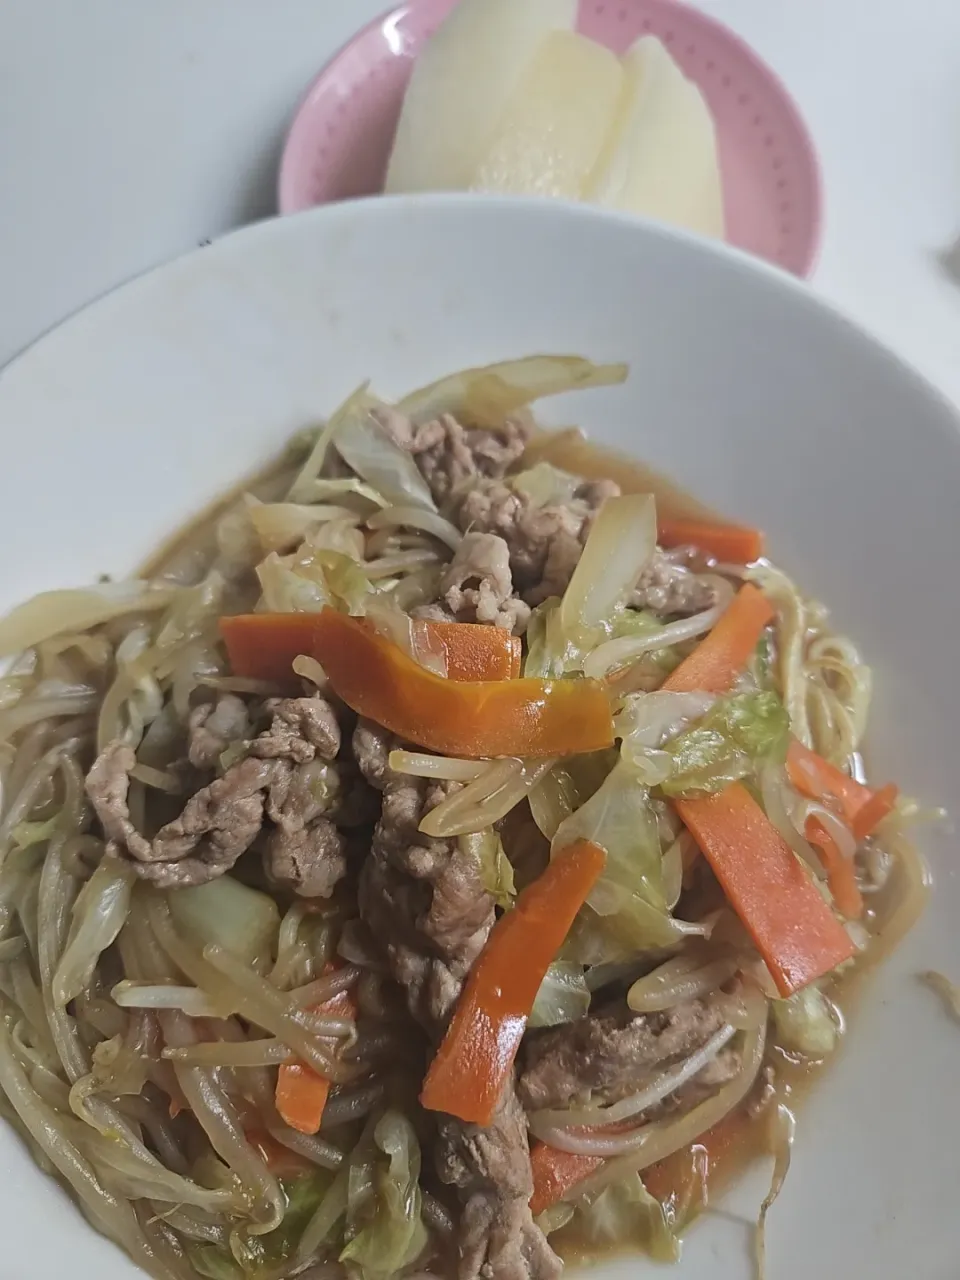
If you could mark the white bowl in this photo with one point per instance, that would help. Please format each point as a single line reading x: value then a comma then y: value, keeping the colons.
x: 744, y: 387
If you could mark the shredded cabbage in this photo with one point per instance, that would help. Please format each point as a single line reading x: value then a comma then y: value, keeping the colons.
x: 549, y: 651
x: 806, y: 1023
x: 283, y: 525
x: 621, y: 541
x: 730, y: 742
x: 52, y: 612
x: 629, y: 894
x: 487, y: 395
x: 348, y: 492
x: 360, y: 401
x: 563, y: 996
x: 567, y: 786
x: 312, y: 579
x: 783, y: 1128
x: 264, y: 1257
x: 230, y: 915
x: 384, y: 1228
x: 365, y: 446
x: 545, y: 485
x: 627, y: 1214
x: 25, y: 834
x: 496, y: 871
x: 98, y: 916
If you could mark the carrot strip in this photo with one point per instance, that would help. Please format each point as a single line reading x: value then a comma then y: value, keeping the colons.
x: 262, y: 646
x: 722, y: 654
x: 468, y: 1073
x: 841, y: 876
x: 301, y: 1092
x: 873, y: 811
x: 729, y: 543
x: 555, y: 1172
x: 475, y: 719
x: 817, y: 779
x: 794, y: 930
x: 476, y: 652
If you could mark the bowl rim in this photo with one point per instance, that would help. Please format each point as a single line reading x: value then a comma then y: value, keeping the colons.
x: 288, y: 200
x: 467, y: 203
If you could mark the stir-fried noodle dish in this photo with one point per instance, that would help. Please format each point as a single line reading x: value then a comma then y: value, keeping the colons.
x: 446, y: 858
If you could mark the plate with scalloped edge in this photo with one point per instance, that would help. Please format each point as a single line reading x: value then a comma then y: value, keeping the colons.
x: 340, y: 139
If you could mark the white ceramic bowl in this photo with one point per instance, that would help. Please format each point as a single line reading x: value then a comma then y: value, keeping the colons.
x: 744, y: 386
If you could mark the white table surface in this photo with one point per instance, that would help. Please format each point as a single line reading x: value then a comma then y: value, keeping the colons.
x: 132, y: 130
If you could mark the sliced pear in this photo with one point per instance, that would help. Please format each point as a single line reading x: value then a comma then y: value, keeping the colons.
x: 555, y: 125
x: 661, y: 157
x: 461, y: 83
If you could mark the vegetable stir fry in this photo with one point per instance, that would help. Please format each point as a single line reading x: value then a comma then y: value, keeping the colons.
x: 437, y: 862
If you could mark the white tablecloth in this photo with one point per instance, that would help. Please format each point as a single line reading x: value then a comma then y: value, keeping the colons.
x: 132, y: 130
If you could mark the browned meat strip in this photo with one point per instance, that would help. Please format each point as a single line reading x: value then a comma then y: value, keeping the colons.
x: 305, y: 852
x: 451, y: 456
x: 301, y: 729
x: 478, y: 587
x: 309, y: 861
x: 607, y: 1056
x: 280, y: 778
x: 419, y: 895
x: 668, y: 587
x: 217, y: 824
x: 545, y: 542
x: 423, y: 900
x: 491, y: 1168
x: 215, y: 726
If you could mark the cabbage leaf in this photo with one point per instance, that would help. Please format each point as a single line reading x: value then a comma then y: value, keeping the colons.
x: 486, y: 396
x: 230, y: 915
x: 729, y: 743
x: 805, y: 1023
x: 628, y: 898
x: 626, y: 1214
x: 265, y: 1257
x: 545, y: 485
x: 311, y: 579
x: 384, y: 1229
x: 563, y: 996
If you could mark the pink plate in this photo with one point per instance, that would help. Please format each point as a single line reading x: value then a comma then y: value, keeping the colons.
x: 340, y: 140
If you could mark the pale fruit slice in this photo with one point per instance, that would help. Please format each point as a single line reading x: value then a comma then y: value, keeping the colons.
x: 661, y: 157
x: 461, y: 83
x: 555, y: 125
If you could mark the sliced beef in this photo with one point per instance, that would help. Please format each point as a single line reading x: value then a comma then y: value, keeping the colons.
x: 424, y: 902
x: 490, y: 1166
x: 371, y: 750
x: 309, y: 861
x: 667, y: 586
x: 305, y: 851
x: 544, y: 542
x: 607, y: 1056
x: 280, y: 782
x: 477, y: 586
x: 451, y: 456
x: 215, y: 726
x: 417, y: 893
x: 301, y: 729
